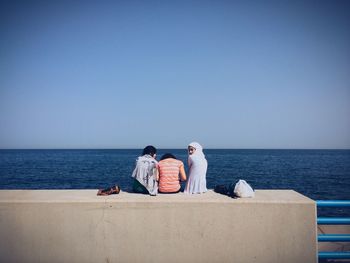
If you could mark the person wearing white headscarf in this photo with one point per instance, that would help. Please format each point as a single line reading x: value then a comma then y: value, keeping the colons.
x: 198, y: 165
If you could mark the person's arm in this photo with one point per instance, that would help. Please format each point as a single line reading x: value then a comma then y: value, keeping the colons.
x: 189, y: 161
x: 182, y: 173
x: 157, y: 173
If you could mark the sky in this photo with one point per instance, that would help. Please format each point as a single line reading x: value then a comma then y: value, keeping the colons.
x: 126, y: 74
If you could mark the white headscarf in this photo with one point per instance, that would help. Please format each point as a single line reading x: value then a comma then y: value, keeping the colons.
x: 198, y: 165
x: 199, y: 149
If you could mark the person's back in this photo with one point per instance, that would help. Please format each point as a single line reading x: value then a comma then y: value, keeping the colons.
x: 198, y: 165
x: 145, y: 172
x: 171, y: 172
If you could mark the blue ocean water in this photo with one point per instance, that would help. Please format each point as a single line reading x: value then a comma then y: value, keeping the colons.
x: 318, y: 174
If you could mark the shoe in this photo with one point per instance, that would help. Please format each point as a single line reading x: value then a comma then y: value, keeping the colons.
x: 109, y: 191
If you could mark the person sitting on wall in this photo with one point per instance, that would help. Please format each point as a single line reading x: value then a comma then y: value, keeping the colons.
x: 146, y: 172
x: 171, y: 171
x: 198, y: 165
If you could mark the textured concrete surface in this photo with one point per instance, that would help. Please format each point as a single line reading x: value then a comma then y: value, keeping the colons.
x: 78, y: 226
x: 334, y: 246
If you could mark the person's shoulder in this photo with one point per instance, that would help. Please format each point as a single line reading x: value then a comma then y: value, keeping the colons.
x: 196, y: 158
x: 179, y: 162
x: 166, y: 161
x: 146, y: 158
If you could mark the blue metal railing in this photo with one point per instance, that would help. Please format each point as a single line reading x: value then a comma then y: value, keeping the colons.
x: 334, y: 238
x: 333, y: 221
x: 334, y: 255
x: 333, y: 203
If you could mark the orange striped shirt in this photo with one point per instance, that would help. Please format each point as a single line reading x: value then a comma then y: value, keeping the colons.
x: 169, y: 180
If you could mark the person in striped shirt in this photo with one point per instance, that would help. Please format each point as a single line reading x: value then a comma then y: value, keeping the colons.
x: 170, y: 172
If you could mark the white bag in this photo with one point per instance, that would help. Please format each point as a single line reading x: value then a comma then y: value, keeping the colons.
x: 243, y: 189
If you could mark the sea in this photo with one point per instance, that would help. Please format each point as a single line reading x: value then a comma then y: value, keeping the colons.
x: 317, y: 174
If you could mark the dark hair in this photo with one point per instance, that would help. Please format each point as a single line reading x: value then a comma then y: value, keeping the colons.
x: 167, y: 155
x: 151, y: 150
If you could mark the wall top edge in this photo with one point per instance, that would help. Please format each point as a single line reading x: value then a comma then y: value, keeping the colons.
x: 89, y: 196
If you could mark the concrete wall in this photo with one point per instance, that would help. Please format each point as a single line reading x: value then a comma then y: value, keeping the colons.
x: 77, y: 226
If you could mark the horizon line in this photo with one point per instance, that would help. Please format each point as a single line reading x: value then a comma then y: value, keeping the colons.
x: 170, y: 148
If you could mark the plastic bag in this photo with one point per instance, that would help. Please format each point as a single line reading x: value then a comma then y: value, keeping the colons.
x: 243, y: 189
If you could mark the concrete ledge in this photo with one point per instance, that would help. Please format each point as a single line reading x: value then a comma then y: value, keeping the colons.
x: 78, y: 226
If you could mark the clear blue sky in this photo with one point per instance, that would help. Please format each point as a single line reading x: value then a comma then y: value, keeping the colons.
x: 124, y: 74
